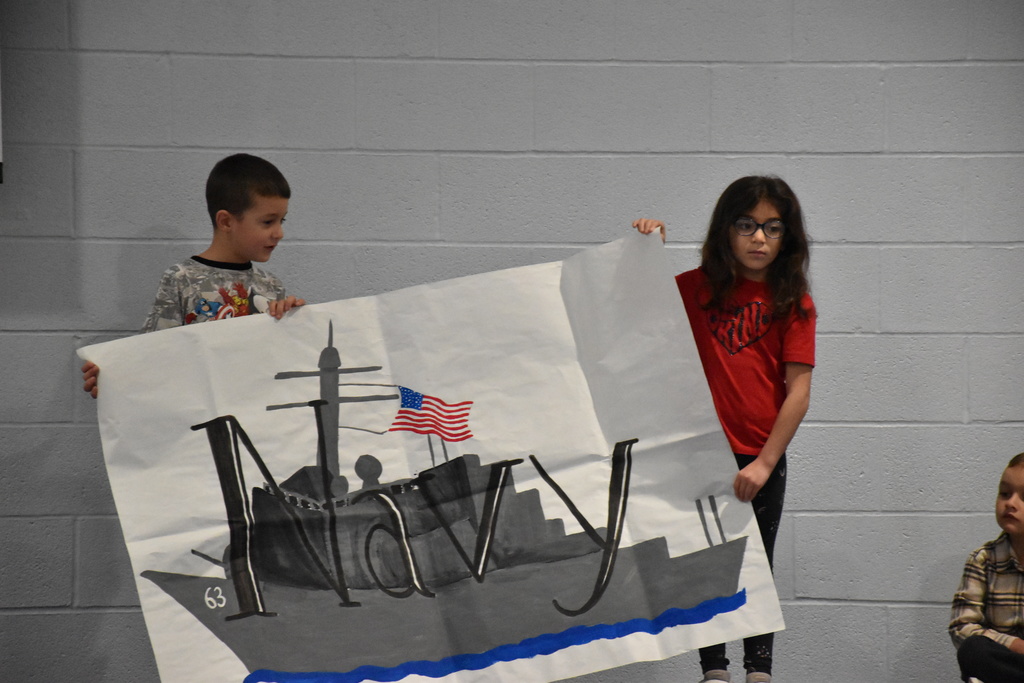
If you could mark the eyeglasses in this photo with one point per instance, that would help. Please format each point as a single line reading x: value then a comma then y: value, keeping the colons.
x: 746, y: 227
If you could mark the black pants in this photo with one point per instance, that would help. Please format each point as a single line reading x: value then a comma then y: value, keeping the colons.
x: 757, y: 650
x: 986, y: 659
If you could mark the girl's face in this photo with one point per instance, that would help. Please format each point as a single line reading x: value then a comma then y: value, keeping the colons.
x: 754, y: 253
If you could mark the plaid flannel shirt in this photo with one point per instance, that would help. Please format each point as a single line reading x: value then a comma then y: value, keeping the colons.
x: 990, y: 599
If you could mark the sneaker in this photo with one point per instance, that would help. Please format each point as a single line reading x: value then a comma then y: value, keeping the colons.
x: 759, y: 677
x: 716, y: 675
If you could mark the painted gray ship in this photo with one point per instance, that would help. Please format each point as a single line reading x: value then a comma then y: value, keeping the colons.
x: 452, y: 569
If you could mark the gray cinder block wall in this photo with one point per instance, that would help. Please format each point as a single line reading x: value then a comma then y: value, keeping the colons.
x: 438, y: 138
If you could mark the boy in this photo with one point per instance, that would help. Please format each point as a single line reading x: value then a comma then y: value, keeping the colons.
x: 988, y: 608
x: 247, y: 199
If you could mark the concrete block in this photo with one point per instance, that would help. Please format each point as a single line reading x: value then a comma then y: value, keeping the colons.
x: 835, y: 468
x: 885, y: 557
x: 42, y: 95
x: 830, y: 642
x: 103, y: 576
x: 329, y: 272
x: 105, y: 285
x: 951, y: 290
x: 995, y: 30
x: 584, y: 199
x: 919, y: 647
x: 889, y: 378
x: 38, y: 378
x: 694, y: 31
x: 993, y: 203
x: 120, y: 280
x: 143, y: 194
x: 38, y: 306
x: 611, y: 108
x: 345, y: 197
x: 126, y: 99
x: 868, y: 199
x: 53, y: 470
x: 85, y: 647
x: 251, y: 103
x: 879, y: 31
x: 845, y: 288
x: 35, y: 196
x: 526, y: 31
x: 584, y: 30
x: 37, y: 566
x: 797, y: 109
x: 159, y: 195
x: 354, y: 28
x: 898, y: 467
x: 444, y: 106
x: 34, y: 24
x: 995, y: 370
x: 954, y: 108
x: 940, y: 468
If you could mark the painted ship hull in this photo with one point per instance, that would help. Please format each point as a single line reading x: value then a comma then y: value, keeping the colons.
x: 311, y: 631
x: 534, y: 589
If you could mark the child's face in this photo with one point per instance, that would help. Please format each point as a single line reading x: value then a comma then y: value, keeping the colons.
x: 1010, y: 502
x: 754, y: 253
x: 253, y: 235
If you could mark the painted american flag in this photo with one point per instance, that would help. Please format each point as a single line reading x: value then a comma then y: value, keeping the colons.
x: 429, y: 415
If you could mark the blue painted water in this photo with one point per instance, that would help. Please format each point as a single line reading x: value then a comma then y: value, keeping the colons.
x: 531, y: 647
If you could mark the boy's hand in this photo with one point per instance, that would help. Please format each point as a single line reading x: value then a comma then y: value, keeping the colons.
x: 649, y: 225
x: 91, y: 378
x: 750, y: 479
x: 279, y: 307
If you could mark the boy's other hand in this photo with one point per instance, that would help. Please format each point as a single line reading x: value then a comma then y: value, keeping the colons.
x: 279, y: 307
x: 91, y: 378
x: 649, y: 225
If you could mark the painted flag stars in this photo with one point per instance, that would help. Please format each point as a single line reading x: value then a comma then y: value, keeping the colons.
x: 429, y: 415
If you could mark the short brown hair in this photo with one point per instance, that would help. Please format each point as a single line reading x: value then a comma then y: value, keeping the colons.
x: 1016, y: 461
x: 234, y: 181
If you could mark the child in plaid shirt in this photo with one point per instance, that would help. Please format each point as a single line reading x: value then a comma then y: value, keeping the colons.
x: 988, y: 608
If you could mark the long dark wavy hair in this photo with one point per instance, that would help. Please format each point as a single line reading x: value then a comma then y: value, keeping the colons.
x: 787, y: 275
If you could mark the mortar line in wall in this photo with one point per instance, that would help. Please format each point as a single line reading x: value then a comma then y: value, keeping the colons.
x: 886, y: 112
x: 965, y: 377
x: 958, y: 514
x: 852, y: 602
x: 543, y: 153
x: 522, y: 61
x: 297, y: 241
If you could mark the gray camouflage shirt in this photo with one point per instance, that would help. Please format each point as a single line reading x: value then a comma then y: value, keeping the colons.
x: 198, y: 290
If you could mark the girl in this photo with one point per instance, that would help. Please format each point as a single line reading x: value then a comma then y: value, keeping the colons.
x: 753, y: 320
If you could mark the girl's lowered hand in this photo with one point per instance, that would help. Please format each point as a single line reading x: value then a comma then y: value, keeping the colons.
x: 649, y: 225
x: 750, y: 479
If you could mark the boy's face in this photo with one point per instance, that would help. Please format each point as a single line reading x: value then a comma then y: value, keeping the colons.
x: 253, y: 235
x: 1010, y: 502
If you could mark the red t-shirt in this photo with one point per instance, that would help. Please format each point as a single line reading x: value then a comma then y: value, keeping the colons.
x: 744, y: 350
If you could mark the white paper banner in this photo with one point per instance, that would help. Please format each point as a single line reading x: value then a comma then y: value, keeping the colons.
x: 510, y: 476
